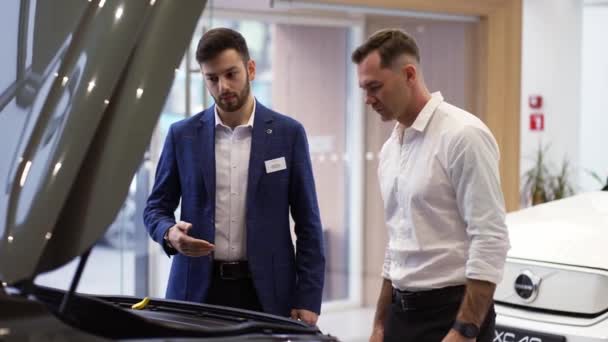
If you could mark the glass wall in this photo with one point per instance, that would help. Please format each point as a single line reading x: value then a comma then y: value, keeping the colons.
x: 593, y: 119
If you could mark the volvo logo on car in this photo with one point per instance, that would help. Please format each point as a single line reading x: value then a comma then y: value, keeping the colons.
x: 526, y: 285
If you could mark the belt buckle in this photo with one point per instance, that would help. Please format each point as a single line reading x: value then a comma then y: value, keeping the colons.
x: 233, y: 277
x: 405, y: 306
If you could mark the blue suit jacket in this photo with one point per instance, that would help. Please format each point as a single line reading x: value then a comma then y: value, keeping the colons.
x: 284, y: 279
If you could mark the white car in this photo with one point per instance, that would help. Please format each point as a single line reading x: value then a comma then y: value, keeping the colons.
x: 555, y: 285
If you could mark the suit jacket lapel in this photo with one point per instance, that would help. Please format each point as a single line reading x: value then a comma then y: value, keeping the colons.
x: 205, y: 143
x: 262, y: 130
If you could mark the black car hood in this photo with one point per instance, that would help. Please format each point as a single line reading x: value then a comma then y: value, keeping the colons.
x: 101, y: 318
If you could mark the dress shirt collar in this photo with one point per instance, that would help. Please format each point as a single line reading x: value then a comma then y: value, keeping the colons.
x: 423, y: 118
x: 427, y: 111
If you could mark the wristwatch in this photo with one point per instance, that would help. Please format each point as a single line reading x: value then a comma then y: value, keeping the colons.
x: 468, y: 330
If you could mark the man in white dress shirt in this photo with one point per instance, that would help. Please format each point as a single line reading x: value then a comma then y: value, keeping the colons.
x: 444, y: 208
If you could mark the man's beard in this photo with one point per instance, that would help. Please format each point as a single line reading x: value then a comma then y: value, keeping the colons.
x: 236, y: 102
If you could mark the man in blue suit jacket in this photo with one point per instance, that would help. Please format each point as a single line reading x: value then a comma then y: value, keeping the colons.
x: 239, y: 168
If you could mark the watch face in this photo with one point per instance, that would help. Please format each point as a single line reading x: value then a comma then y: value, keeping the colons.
x: 470, y: 330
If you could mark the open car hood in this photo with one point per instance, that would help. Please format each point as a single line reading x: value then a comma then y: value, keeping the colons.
x: 76, y: 116
x: 103, y: 318
x: 572, y: 231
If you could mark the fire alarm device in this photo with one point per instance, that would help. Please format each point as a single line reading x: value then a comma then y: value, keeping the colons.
x: 535, y: 101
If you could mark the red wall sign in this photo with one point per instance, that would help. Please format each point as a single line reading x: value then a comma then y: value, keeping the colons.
x: 537, y: 122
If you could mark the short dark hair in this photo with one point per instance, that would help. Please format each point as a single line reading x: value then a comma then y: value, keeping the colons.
x: 217, y: 40
x: 390, y: 44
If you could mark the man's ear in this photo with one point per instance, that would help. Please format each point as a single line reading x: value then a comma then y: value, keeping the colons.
x: 410, y: 72
x: 251, y: 69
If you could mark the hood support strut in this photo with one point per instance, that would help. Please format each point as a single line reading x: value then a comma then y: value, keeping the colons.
x: 68, y: 295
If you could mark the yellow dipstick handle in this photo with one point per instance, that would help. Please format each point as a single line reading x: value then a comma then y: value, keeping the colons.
x: 141, y: 305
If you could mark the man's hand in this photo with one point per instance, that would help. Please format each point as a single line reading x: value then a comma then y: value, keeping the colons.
x: 454, y: 336
x: 382, y: 307
x: 305, y: 316
x: 187, y: 245
x: 377, y: 335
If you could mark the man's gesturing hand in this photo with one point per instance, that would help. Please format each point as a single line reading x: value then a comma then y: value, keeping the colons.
x: 180, y: 240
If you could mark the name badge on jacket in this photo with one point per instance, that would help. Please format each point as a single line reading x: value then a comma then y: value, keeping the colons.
x: 275, y: 165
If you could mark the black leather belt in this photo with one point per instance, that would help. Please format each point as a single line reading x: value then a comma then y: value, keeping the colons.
x: 420, y: 300
x: 231, y: 270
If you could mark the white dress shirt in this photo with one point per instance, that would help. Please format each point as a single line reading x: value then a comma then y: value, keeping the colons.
x: 232, y: 150
x: 443, y: 203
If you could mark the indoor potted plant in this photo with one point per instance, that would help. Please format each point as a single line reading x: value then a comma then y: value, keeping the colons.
x: 536, y: 179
